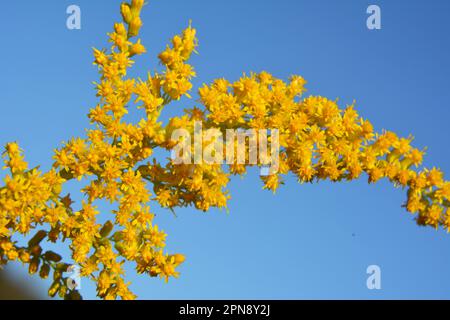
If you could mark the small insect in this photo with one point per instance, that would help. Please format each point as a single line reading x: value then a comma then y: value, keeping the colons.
x: 74, y: 280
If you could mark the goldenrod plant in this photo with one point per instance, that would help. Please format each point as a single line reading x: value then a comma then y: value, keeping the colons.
x: 318, y: 141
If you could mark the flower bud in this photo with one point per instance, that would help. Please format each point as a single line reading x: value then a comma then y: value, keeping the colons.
x: 179, y: 258
x: 136, y: 7
x: 137, y: 4
x: 52, y: 256
x: 62, y: 292
x: 118, y: 236
x: 177, y: 42
x: 135, y: 26
x: 100, y: 58
x: 36, y: 250
x: 12, y: 255
x: 34, y: 265
x: 137, y: 48
x: 153, y: 273
x: 54, y: 288
x: 106, y: 229
x: 54, y: 234
x: 12, y: 148
x: 57, y: 275
x: 45, y: 271
x: 24, y: 256
x: 120, y: 29
x: 38, y: 237
x: 126, y: 12
x: 62, y: 267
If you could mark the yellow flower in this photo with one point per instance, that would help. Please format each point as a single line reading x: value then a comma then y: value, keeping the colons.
x: 137, y: 48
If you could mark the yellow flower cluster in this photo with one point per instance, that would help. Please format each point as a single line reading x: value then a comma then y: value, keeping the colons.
x: 318, y: 141
x: 108, y: 157
x: 178, y: 73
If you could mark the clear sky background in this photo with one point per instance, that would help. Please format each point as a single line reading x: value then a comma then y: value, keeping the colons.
x: 307, y: 241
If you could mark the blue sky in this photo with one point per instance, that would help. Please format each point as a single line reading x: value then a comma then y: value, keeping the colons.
x: 307, y: 241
